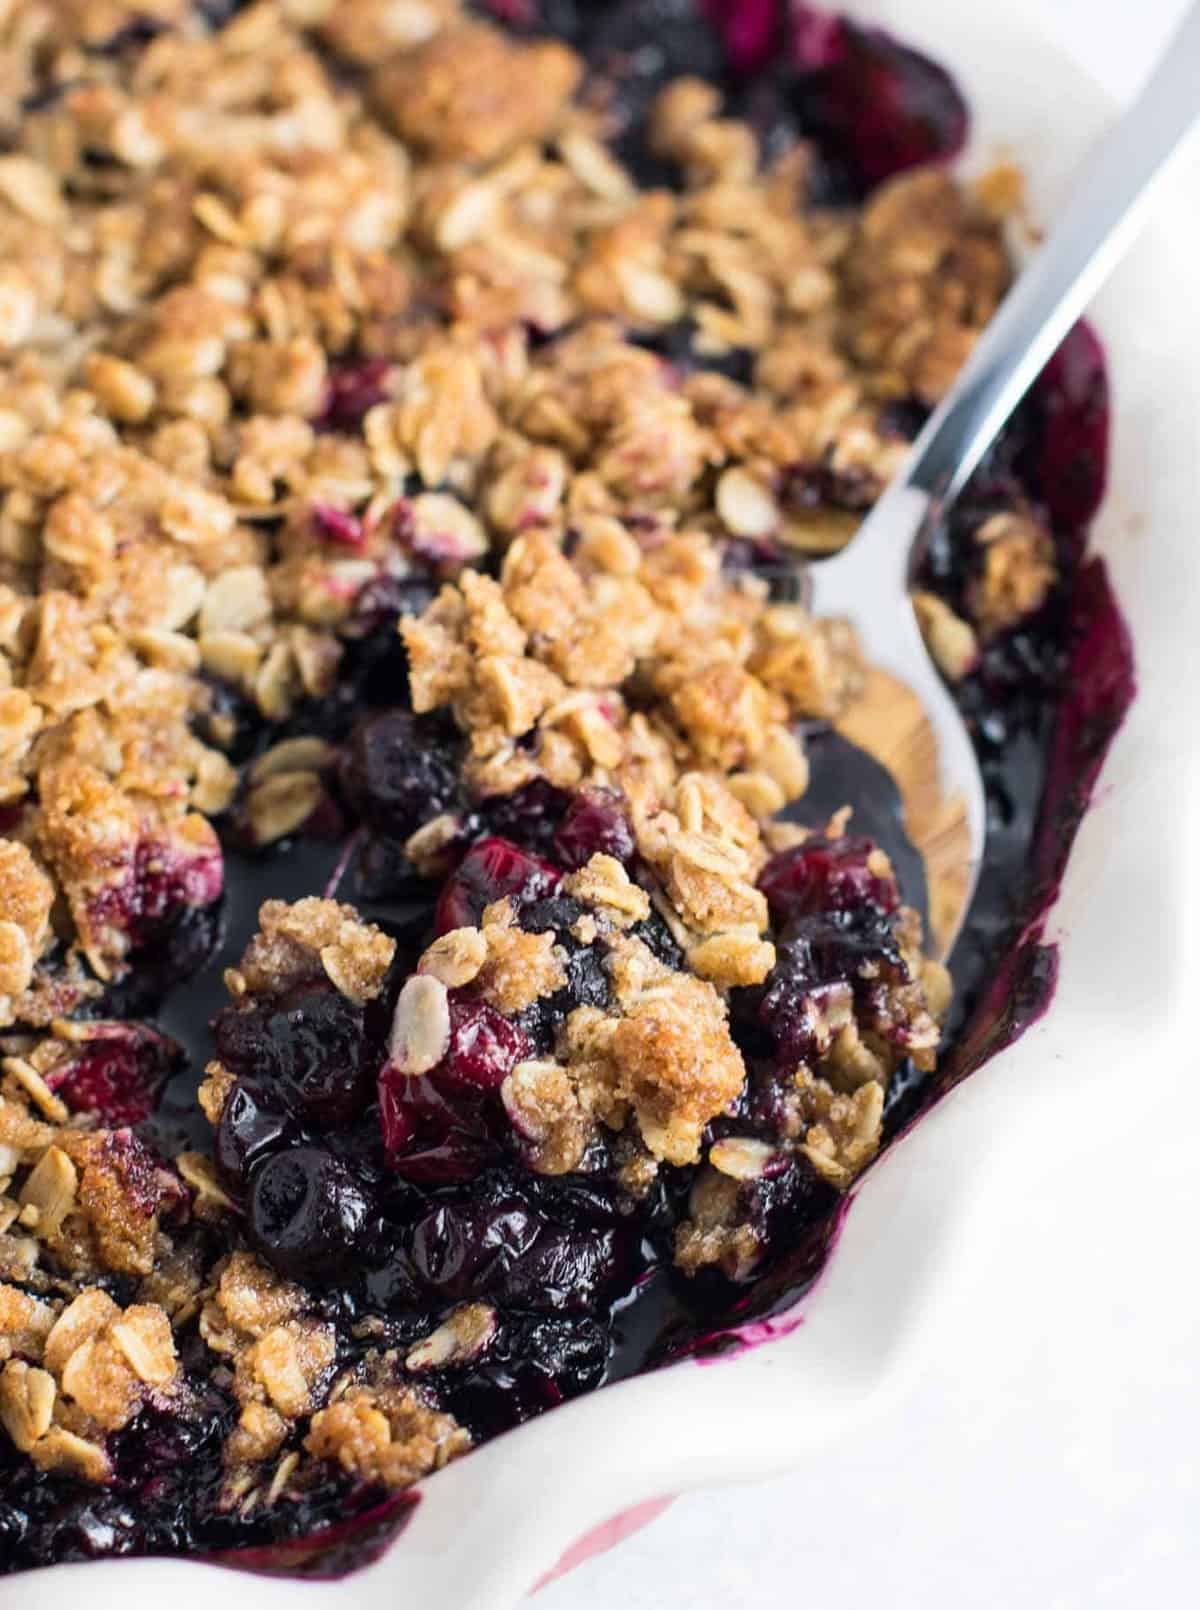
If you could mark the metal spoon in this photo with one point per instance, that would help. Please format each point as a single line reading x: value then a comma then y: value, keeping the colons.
x: 869, y: 580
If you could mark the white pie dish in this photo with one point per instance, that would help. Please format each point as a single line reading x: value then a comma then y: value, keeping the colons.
x: 488, y: 1527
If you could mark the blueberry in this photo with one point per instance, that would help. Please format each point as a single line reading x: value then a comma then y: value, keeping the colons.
x: 312, y: 1048
x: 660, y: 941
x: 529, y: 816
x: 506, y: 1251
x: 532, y: 1363
x: 398, y: 772
x: 817, y: 951
x: 252, y: 1124
x: 308, y: 1214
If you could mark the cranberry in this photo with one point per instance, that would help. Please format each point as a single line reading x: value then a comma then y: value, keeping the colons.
x: 394, y: 776
x: 119, y: 1075
x: 434, y: 1130
x: 351, y: 392
x: 484, y: 1046
x: 826, y: 874
x: 338, y: 525
x: 595, y: 824
x: 446, y: 1124
x: 160, y: 881
x: 873, y: 106
x: 748, y: 29
x: 308, y: 1214
x: 491, y: 869
x: 146, y: 1183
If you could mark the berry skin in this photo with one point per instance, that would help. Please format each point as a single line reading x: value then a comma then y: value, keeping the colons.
x: 826, y: 874
x: 595, y: 824
x: 491, y: 869
x: 395, y: 776
x: 311, y: 1049
x: 307, y: 1214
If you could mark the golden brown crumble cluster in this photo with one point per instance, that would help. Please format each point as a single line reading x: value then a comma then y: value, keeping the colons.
x: 284, y: 1367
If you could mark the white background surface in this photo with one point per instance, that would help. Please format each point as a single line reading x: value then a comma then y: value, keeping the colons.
x: 1049, y: 1458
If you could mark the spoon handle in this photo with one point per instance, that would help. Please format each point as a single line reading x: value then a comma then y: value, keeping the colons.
x: 1105, y: 208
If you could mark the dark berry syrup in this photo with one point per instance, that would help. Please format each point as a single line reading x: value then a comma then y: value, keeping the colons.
x: 392, y: 1207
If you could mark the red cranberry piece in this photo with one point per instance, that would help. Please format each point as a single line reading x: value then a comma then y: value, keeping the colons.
x: 161, y: 881
x: 595, y: 824
x: 491, y: 869
x: 146, y: 1183
x: 308, y: 1214
x: 825, y: 874
x: 433, y: 1131
x: 870, y: 102
x: 339, y: 525
x: 444, y: 1125
x: 119, y: 1075
x: 351, y: 392
x: 516, y: 13
x: 484, y: 1046
x: 749, y: 30
x: 1072, y: 455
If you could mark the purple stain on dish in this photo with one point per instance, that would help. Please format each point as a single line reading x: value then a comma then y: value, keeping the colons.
x: 329, y: 1552
x: 1071, y: 467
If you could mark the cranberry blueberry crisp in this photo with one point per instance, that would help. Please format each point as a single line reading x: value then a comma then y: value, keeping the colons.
x: 452, y: 951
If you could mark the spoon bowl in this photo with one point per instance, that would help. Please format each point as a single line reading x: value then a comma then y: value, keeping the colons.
x: 868, y: 583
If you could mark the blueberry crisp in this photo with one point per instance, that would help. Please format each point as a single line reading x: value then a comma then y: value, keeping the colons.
x: 459, y: 941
